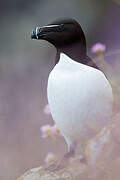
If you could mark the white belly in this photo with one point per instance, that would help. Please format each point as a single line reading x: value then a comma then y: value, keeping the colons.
x: 80, y: 99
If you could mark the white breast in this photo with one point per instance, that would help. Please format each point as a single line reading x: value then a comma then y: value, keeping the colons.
x: 80, y: 99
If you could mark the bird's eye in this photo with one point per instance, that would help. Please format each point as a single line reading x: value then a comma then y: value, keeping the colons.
x: 62, y: 26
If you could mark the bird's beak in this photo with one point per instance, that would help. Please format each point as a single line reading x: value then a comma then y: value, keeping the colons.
x: 40, y: 32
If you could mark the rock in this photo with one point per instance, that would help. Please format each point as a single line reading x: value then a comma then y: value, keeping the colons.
x: 103, y: 159
x: 64, y: 174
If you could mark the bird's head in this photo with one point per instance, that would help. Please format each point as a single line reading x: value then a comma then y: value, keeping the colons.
x: 62, y: 33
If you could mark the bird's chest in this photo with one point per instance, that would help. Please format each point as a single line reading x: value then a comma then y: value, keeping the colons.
x: 70, y: 95
x: 70, y: 88
x: 65, y: 90
x: 78, y: 99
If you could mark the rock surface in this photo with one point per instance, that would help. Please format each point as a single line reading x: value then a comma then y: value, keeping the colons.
x: 105, y: 164
x: 65, y: 174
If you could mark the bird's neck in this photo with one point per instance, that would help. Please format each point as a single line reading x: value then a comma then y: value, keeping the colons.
x: 77, y: 53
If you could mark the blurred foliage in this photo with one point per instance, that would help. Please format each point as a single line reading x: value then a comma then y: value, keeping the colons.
x: 117, y: 1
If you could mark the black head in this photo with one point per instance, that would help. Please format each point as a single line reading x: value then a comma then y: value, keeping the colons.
x: 61, y: 33
x: 66, y: 35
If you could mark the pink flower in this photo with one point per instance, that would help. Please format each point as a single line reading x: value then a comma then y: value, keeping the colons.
x: 47, y: 109
x: 50, y: 131
x: 50, y: 158
x: 98, y: 48
x: 55, y: 130
x: 46, y: 131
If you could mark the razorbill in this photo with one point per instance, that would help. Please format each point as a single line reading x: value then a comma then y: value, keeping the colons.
x: 79, y: 95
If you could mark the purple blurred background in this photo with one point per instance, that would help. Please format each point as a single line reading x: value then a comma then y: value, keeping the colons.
x: 24, y: 68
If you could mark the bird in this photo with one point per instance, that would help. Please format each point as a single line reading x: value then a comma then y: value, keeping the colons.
x: 79, y: 94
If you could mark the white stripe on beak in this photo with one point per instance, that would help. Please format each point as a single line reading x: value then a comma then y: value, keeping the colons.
x: 51, y: 26
x: 36, y: 33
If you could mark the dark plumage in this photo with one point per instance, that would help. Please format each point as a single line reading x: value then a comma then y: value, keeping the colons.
x: 68, y: 37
